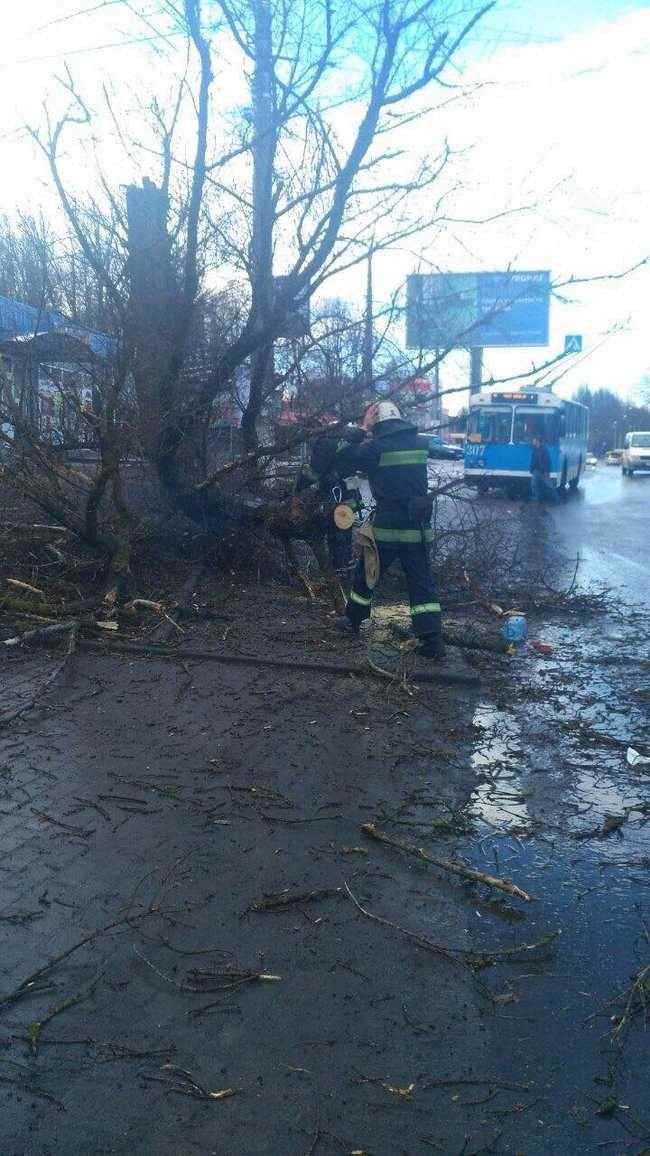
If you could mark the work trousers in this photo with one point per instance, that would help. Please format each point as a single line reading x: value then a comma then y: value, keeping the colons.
x: 339, y: 546
x: 541, y: 487
x: 423, y: 595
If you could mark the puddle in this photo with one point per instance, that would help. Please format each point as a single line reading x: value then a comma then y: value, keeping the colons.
x: 545, y: 777
x: 497, y: 801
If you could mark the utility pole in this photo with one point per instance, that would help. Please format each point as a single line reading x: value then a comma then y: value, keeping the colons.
x: 368, y: 349
x: 72, y: 296
x: 264, y: 147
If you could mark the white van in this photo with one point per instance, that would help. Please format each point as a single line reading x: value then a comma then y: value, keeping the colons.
x: 636, y: 452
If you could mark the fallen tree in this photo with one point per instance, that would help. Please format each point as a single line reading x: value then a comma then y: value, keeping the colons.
x: 174, y: 350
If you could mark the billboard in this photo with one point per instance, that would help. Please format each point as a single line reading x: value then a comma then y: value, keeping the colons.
x: 461, y: 310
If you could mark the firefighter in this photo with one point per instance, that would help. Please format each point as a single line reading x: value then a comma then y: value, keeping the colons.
x: 394, y: 459
x: 322, y: 470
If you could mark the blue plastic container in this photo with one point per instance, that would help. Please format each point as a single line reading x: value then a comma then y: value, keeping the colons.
x: 515, y: 628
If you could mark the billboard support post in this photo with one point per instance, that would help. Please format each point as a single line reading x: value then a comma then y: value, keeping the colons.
x: 475, y: 368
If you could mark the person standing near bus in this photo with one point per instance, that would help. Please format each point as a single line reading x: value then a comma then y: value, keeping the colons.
x: 540, y: 471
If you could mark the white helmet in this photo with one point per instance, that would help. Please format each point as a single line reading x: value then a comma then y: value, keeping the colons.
x: 380, y: 411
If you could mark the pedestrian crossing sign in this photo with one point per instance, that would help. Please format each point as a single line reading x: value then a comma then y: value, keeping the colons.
x: 573, y: 343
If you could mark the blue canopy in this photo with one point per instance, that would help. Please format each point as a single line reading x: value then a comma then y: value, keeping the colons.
x: 20, y: 320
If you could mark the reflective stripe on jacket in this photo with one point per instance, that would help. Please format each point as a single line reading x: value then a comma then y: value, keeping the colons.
x: 394, y: 460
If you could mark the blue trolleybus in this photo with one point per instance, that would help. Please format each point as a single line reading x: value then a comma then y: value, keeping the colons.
x: 500, y: 430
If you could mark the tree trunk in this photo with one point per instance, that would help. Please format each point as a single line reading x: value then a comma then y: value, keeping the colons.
x: 265, y: 138
x: 152, y: 307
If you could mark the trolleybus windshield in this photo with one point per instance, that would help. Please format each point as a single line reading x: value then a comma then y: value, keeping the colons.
x: 490, y: 424
x: 534, y: 423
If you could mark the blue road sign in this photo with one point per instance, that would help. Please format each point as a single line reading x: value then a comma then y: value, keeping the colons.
x: 461, y: 310
x: 573, y: 343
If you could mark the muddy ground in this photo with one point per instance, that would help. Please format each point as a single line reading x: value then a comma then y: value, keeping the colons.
x: 169, y: 799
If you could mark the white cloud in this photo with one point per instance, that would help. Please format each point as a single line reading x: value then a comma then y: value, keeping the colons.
x: 562, y: 124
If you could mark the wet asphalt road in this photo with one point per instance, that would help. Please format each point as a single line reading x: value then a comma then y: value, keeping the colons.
x: 218, y: 787
x: 608, y: 522
x: 550, y: 769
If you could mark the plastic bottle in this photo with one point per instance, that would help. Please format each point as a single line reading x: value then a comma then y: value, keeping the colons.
x: 515, y: 627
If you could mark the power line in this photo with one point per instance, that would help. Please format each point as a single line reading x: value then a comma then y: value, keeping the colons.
x: 74, y: 15
x: 92, y: 48
x: 613, y: 332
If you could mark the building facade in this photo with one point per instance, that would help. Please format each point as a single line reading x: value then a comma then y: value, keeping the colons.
x: 49, y: 367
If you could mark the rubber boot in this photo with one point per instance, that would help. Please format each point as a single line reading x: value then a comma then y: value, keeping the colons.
x: 347, y: 626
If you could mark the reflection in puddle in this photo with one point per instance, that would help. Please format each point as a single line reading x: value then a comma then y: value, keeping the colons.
x: 528, y: 788
x: 499, y: 799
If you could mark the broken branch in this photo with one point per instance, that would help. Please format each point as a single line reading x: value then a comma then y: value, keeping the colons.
x: 455, y: 956
x: 281, y: 899
x: 455, y: 866
x: 339, y: 668
x: 72, y: 627
x: 26, y: 986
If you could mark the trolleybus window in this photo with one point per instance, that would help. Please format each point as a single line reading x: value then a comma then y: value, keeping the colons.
x: 490, y: 425
x: 531, y: 424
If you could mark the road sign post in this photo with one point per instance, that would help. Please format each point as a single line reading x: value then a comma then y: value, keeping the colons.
x: 573, y: 343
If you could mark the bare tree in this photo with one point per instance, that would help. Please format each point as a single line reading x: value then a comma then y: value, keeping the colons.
x: 324, y: 155
x: 311, y: 170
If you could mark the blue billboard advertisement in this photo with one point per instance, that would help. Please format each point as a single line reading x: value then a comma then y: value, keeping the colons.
x: 461, y: 310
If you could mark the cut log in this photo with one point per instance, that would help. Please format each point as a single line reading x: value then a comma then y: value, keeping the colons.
x: 18, y: 605
x: 473, y: 635
x: 463, y: 632
x: 45, y: 633
x: 455, y: 866
x: 19, y: 585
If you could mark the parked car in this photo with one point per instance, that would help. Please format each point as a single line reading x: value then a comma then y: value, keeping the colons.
x: 591, y: 460
x: 458, y: 452
x: 636, y: 452
x: 438, y: 449
x: 613, y: 457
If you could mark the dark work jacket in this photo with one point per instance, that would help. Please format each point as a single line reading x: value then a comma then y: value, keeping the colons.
x: 394, y: 460
x: 323, y: 466
x: 540, y: 460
